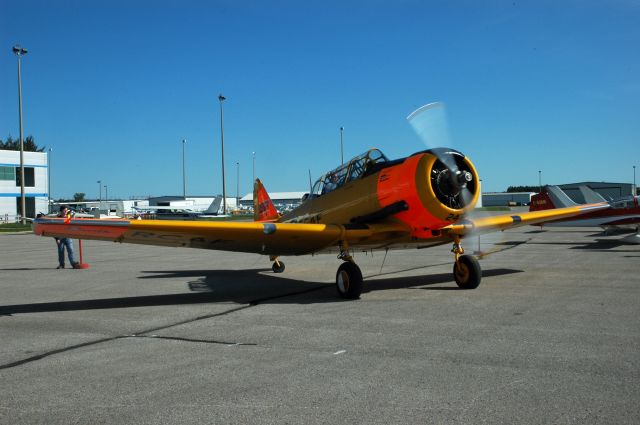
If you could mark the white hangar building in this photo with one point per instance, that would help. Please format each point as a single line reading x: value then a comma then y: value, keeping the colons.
x: 36, y: 183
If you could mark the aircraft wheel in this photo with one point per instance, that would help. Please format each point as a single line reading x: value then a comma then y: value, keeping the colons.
x: 349, y: 280
x: 278, y: 268
x: 467, y: 272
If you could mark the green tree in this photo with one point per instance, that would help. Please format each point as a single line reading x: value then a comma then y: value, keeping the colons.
x: 78, y: 197
x: 29, y: 144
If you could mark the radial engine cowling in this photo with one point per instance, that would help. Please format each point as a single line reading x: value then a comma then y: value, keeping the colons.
x: 437, y: 186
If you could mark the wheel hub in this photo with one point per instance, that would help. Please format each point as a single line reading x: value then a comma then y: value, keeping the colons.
x: 343, y: 281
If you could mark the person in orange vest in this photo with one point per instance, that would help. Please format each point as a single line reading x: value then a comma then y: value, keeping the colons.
x: 67, y: 243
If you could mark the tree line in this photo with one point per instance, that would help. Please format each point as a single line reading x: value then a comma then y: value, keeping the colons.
x: 511, y: 189
x: 29, y: 144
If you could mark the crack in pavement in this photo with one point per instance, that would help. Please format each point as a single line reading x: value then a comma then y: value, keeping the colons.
x: 177, y: 338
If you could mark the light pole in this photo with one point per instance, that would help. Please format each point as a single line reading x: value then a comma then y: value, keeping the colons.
x: 19, y: 52
x: 184, y: 173
x: 341, y: 147
x: 253, y: 154
x: 49, y: 181
x: 540, y: 181
x: 237, y: 184
x: 634, y: 181
x: 221, y: 98
x: 106, y: 193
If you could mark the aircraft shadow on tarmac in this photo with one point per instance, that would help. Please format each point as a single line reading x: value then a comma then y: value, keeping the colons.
x: 244, y: 287
x: 18, y: 269
x: 599, y: 245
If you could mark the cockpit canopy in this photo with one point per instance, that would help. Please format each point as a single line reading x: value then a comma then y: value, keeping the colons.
x: 356, y: 168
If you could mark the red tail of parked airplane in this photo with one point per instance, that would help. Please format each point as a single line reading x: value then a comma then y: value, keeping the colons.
x: 263, y: 209
x: 623, y: 213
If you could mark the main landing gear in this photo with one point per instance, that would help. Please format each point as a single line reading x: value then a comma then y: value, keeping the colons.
x: 349, y: 276
x: 466, y: 269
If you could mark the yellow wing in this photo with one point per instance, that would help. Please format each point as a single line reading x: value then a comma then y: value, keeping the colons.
x: 254, y: 237
x: 506, y: 221
x: 283, y: 238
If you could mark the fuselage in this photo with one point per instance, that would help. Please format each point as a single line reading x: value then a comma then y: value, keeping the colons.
x: 410, y: 192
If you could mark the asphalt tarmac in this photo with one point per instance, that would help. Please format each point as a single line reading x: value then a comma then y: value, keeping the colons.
x: 151, y: 335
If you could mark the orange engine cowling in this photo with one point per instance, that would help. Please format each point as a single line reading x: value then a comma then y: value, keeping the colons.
x: 434, y: 189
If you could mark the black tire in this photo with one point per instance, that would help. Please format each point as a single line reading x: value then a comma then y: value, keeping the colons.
x: 349, y: 281
x: 276, y: 268
x: 467, y: 272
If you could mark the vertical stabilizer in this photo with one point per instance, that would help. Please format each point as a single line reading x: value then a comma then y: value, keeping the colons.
x: 560, y: 199
x: 263, y: 209
x: 214, y: 208
x: 541, y: 201
x: 590, y: 195
x: 550, y: 198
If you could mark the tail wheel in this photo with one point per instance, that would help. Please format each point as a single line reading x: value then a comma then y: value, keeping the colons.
x: 467, y: 272
x: 349, y: 281
x: 277, y: 267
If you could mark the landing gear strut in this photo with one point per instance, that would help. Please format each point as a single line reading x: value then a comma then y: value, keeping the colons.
x: 349, y: 276
x: 466, y: 269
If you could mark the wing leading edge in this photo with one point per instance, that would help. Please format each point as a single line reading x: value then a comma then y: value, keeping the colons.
x: 253, y: 237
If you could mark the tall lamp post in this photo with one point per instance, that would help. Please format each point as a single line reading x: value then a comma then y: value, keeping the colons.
x: 237, y: 184
x: 253, y: 154
x: 49, y: 182
x: 99, y: 194
x: 221, y: 98
x: 341, y: 147
x: 106, y: 193
x: 634, y: 181
x: 540, y: 181
x: 19, y: 52
x: 184, y: 173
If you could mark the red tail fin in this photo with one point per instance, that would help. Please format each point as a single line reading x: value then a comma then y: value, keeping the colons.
x: 541, y: 201
x: 263, y: 209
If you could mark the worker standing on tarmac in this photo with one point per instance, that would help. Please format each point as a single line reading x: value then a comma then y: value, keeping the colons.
x: 66, y: 213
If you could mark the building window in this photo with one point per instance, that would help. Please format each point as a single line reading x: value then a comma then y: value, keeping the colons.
x: 29, y: 204
x: 7, y: 173
x: 29, y: 177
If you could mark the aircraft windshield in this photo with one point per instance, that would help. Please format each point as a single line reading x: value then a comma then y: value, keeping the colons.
x: 352, y: 170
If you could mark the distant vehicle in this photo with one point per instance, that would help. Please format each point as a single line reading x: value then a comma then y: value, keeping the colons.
x: 623, y: 214
x: 166, y: 213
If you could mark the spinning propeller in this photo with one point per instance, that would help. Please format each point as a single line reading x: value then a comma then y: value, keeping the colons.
x: 451, y: 178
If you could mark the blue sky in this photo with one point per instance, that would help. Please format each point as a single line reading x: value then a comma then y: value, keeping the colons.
x: 114, y: 86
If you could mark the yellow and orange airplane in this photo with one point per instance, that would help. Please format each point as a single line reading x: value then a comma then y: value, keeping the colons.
x: 370, y: 202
